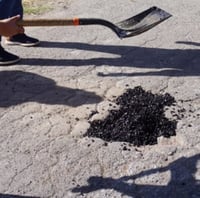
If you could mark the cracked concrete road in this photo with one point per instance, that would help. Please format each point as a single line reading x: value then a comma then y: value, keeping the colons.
x: 46, y: 100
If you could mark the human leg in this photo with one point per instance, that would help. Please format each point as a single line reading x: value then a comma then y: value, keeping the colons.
x: 6, y: 58
x: 16, y: 8
x: 6, y: 8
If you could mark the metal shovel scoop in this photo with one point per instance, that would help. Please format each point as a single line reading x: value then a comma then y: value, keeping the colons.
x: 126, y: 28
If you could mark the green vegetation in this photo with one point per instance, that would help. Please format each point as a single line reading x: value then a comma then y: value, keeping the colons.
x: 36, y: 6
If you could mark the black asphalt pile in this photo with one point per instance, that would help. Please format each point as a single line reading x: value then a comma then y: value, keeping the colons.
x: 140, y: 119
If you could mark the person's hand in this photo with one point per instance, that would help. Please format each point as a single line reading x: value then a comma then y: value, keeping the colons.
x: 9, y: 27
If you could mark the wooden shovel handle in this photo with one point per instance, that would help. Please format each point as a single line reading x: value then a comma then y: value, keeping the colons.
x: 48, y: 22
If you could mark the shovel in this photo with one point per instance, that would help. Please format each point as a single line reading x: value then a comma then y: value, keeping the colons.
x: 133, y: 26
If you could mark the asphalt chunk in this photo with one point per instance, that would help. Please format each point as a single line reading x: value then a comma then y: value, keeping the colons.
x: 140, y: 119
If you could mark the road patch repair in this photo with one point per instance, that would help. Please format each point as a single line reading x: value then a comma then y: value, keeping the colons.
x: 140, y: 119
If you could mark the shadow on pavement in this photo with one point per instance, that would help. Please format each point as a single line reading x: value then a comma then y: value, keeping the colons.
x: 15, y: 196
x: 182, y: 183
x: 188, y: 43
x: 18, y: 87
x: 166, y: 62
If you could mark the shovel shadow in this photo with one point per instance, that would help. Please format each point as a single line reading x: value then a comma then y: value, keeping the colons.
x: 165, y: 62
x: 17, y: 87
x: 182, y: 183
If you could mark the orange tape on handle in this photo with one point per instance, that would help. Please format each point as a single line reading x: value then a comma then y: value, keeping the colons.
x: 76, y: 21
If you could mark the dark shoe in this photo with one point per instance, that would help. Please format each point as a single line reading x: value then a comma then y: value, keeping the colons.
x: 7, y: 58
x: 23, y: 40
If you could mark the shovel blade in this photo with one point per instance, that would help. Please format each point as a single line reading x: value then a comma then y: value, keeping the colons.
x: 142, y: 22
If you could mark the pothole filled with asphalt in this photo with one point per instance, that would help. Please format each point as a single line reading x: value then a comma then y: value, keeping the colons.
x: 139, y: 120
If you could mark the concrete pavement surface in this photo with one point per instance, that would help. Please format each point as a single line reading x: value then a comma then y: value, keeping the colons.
x: 46, y: 101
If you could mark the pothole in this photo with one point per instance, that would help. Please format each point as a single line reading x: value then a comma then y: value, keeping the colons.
x: 139, y: 120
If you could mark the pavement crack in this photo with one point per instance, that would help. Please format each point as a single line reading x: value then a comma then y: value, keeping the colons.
x: 102, y: 169
x: 17, y: 174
